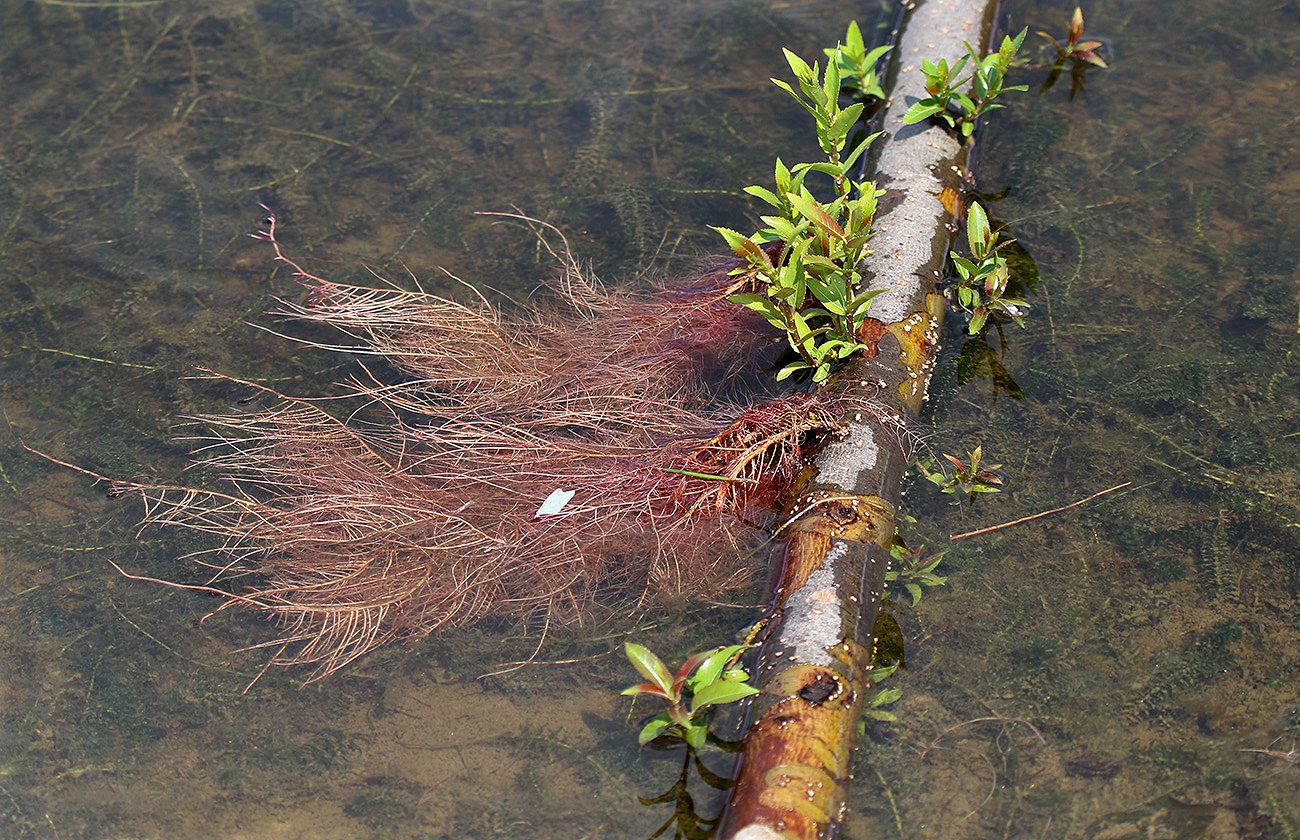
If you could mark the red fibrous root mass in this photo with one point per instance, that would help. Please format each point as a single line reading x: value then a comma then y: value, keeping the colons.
x: 354, y: 534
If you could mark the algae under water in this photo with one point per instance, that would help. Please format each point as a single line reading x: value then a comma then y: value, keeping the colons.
x: 1151, y: 638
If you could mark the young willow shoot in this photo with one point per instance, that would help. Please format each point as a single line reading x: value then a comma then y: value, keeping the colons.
x: 858, y: 64
x: 807, y: 285
x: 946, y: 86
x: 982, y: 279
x: 875, y: 707
x: 706, y: 679
x: 1073, y: 48
x: 915, y: 570
x: 969, y: 477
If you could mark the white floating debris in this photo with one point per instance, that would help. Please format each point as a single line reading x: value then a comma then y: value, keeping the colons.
x: 555, y: 502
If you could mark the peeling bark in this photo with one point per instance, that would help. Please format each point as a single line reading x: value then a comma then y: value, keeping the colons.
x: 813, y: 668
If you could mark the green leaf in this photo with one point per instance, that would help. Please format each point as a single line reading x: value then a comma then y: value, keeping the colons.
x: 915, y: 592
x: 767, y: 195
x: 977, y: 321
x: 720, y: 693
x: 697, y: 735
x: 1009, y: 47
x: 762, y: 305
x: 853, y: 156
x: 853, y: 39
x: 831, y: 84
x: 834, y: 306
x: 864, y: 298
x: 875, y: 55
x: 886, y: 696
x: 922, y: 110
x: 822, y: 372
x: 711, y: 668
x: 649, y: 666
x: 845, y: 120
x: 782, y: 177
x: 959, y: 66
x: 800, y: 67
x: 803, y: 334
x: 815, y: 213
x: 882, y: 672
x: 797, y: 98
x: 785, y: 228
x: 654, y: 728
x: 815, y: 95
x: 744, y: 247
x: 794, y: 367
x: 977, y: 229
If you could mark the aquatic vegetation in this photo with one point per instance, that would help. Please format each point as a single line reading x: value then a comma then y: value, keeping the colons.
x: 706, y: 679
x: 1206, y: 655
x: 874, y: 708
x: 968, y: 477
x: 915, y: 570
x: 508, y: 464
x: 982, y: 280
x: 947, y: 87
x: 806, y: 261
x: 686, y: 821
x: 1073, y: 48
x: 857, y: 64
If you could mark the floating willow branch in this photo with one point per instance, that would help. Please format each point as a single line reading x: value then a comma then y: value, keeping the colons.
x: 815, y: 661
x: 508, y: 463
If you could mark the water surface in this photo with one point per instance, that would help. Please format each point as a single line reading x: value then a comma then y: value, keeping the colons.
x: 1129, y: 669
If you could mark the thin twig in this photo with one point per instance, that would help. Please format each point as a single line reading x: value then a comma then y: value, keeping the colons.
x: 1032, y: 517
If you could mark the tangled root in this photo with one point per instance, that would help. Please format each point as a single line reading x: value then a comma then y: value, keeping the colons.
x: 353, y: 536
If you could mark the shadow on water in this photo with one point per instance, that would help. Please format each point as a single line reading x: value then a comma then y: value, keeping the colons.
x: 1129, y: 669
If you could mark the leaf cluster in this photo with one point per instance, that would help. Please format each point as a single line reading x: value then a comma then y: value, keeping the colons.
x: 875, y: 708
x: 1074, y: 48
x: 808, y: 286
x: 948, y: 99
x: 983, y: 278
x: 706, y: 679
x: 969, y: 477
x: 915, y: 569
x: 857, y: 64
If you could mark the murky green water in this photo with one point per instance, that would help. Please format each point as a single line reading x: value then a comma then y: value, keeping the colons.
x: 1128, y: 669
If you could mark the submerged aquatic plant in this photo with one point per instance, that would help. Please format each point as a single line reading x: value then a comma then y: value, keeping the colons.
x: 511, y: 464
x: 915, y: 569
x: 1081, y: 55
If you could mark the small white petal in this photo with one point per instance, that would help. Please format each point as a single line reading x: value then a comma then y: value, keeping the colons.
x: 555, y: 502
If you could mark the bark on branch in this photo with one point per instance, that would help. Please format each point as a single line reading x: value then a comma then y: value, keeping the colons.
x: 815, y: 661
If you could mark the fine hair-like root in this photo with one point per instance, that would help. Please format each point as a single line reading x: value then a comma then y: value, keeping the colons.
x: 354, y: 534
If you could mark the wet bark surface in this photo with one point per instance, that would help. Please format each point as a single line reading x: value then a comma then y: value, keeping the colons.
x: 815, y: 662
